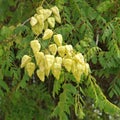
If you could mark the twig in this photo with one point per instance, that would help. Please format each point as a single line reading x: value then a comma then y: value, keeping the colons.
x: 26, y: 21
x: 97, y: 39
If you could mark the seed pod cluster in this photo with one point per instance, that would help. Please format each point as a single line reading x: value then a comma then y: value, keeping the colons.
x: 44, y: 19
x: 58, y: 56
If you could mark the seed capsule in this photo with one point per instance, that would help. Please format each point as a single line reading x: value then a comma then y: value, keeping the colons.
x: 56, y: 70
x: 58, y: 39
x: 25, y: 59
x: 35, y: 45
x: 47, y: 34
x: 61, y: 51
x: 33, y: 21
x: 53, y: 49
x: 51, y: 22
x: 37, y: 29
x: 41, y: 75
x: 30, y: 68
x: 67, y: 63
x: 58, y: 60
x: 56, y: 13
x: 79, y: 58
x: 39, y: 57
x: 49, y: 59
x: 45, y: 12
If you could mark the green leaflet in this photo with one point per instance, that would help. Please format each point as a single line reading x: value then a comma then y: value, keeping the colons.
x: 101, y: 101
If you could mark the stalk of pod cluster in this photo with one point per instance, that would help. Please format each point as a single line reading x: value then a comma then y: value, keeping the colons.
x: 59, y: 57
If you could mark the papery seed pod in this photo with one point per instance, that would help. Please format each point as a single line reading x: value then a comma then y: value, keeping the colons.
x: 79, y: 58
x: 57, y: 19
x: 77, y: 76
x: 68, y: 49
x: 41, y: 75
x: 47, y: 34
x: 45, y: 25
x: 25, y: 59
x: 39, y: 9
x: 35, y: 45
x: 56, y: 70
x: 58, y: 39
x: 56, y: 13
x: 67, y: 63
x: 49, y: 59
x: 46, y: 12
x: 33, y: 21
x: 73, y: 66
x: 61, y: 51
x: 58, y: 60
x: 30, y: 68
x: 87, y: 68
x: 40, y: 19
x: 37, y: 29
x: 53, y: 49
x: 55, y: 10
x: 78, y: 71
x: 39, y: 57
x: 51, y: 22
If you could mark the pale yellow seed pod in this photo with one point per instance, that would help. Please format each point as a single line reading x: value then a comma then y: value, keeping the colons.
x: 30, y: 68
x: 58, y: 60
x: 33, y: 21
x: 25, y: 59
x: 58, y: 39
x: 45, y: 25
x: 39, y: 57
x: 79, y: 58
x: 67, y: 63
x: 68, y: 50
x: 74, y: 64
x: 40, y: 19
x: 56, y: 70
x: 61, y: 51
x: 77, y: 76
x: 51, y: 22
x: 55, y: 10
x: 41, y: 75
x: 35, y: 45
x: 47, y: 34
x: 37, y: 29
x: 38, y: 10
x: 77, y: 70
x: 87, y: 68
x: 53, y: 49
x: 56, y: 13
x: 47, y: 13
x: 49, y: 59
x: 57, y: 19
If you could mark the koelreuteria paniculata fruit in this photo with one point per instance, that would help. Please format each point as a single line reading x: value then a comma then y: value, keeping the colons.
x: 58, y: 56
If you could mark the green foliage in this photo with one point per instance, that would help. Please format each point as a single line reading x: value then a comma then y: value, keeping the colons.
x: 29, y: 103
x: 93, y: 28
